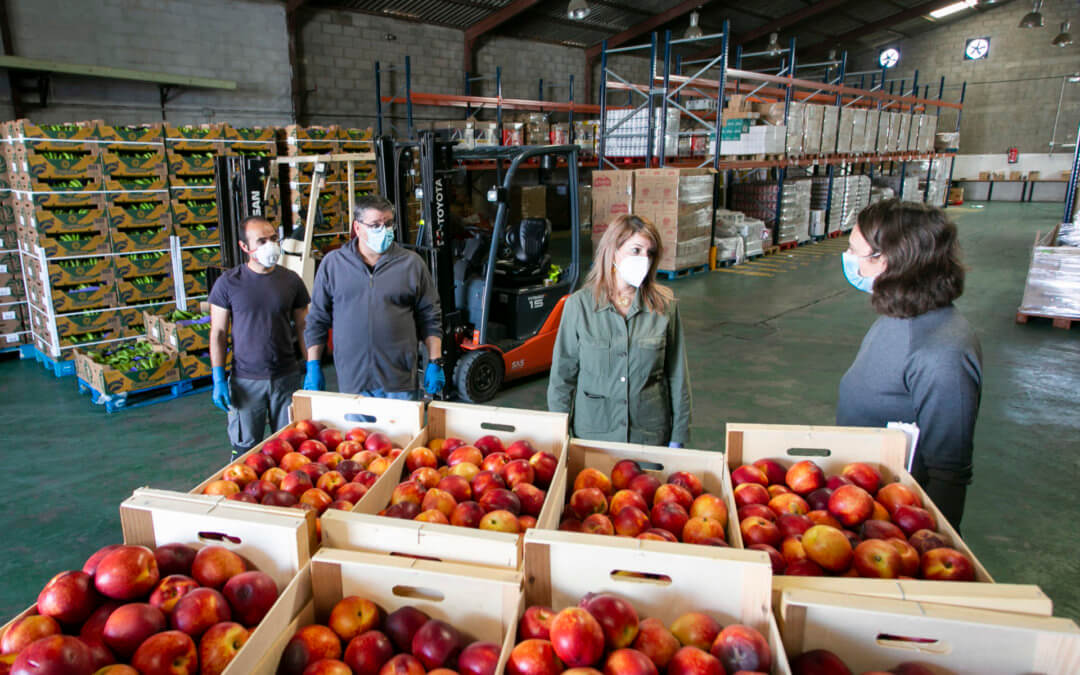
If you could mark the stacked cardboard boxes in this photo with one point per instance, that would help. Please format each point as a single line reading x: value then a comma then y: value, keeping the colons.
x: 13, y: 308
x: 758, y: 199
x: 678, y: 201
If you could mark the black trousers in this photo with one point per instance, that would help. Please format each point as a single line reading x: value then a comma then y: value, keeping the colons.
x: 947, y: 489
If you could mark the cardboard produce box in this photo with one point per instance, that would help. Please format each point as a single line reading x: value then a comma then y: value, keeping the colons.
x: 873, y: 634
x: 659, y: 462
x: 109, y: 380
x: 832, y: 448
x: 274, y: 543
x: 660, y: 579
x: 185, y: 336
x: 365, y: 531
x: 612, y: 196
x: 481, y: 603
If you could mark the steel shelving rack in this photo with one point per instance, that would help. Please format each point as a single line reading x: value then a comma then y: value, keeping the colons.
x: 718, y: 78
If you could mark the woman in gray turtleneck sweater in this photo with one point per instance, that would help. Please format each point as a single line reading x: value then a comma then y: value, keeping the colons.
x: 921, y: 361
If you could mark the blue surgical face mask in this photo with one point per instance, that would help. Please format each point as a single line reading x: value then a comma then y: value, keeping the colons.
x: 379, y: 239
x: 851, y: 273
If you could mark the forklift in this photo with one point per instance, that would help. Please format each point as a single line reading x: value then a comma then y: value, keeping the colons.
x: 502, y: 299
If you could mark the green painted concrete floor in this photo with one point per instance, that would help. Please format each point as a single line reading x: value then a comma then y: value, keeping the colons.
x: 767, y: 349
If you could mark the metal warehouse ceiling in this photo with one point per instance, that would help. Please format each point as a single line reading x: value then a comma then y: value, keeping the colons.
x: 822, y: 24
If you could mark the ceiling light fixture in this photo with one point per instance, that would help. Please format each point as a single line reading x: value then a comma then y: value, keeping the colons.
x: 694, y: 31
x: 578, y: 9
x: 1074, y: 78
x: 952, y: 9
x: 774, y: 47
x: 1064, y: 38
x: 1034, y: 18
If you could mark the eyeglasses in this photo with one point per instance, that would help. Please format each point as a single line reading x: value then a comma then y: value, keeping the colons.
x: 376, y: 226
x: 864, y: 257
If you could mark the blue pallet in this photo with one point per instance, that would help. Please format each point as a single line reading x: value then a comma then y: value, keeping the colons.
x: 671, y: 275
x: 57, y: 368
x: 143, y: 397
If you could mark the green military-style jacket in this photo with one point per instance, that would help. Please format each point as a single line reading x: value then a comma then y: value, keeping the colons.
x: 621, y: 379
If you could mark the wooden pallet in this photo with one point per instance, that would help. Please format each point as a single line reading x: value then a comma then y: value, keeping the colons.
x: 771, y: 250
x: 1065, y: 322
x: 143, y: 397
x: 671, y: 275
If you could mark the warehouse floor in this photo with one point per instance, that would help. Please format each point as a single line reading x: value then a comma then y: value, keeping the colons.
x: 768, y: 343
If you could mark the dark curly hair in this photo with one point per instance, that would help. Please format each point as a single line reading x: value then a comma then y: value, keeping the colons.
x: 919, y: 243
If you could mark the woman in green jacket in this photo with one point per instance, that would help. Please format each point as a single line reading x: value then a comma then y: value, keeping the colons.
x: 619, y: 365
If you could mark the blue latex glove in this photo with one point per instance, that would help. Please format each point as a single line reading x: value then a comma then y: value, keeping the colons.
x: 673, y: 444
x: 434, y: 379
x: 221, y: 388
x: 314, y: 380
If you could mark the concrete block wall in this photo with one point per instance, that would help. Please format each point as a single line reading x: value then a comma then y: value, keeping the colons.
x: 338, y: 51
x: 525, y: 63
x: 1012, y: 96
x: 240, y: 40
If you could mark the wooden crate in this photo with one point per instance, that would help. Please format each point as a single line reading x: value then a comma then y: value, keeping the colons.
x: 273, y: 541
x: 661, y: 462
x: 363, y: 530
x: 401, y: 421
x: 481, y: 603
x: 831, y: 448
x: 875, y: 634
x: 732, y: 586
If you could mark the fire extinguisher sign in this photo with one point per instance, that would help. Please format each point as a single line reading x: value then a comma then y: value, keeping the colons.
x: 1014, y: 155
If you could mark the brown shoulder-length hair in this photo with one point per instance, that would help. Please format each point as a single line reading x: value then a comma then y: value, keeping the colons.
x: 919, y: 243
x: 602, y: 280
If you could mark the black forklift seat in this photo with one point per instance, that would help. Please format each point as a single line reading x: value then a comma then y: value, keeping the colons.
x: 529, y: 261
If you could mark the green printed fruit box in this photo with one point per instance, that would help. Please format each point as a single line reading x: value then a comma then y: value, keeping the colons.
x: 200, y: 162
x: 62, y: 244
x: 83, y: 296
x: 139, y: 264
x: 80, y: 270
x: 195, y: 259
x: 195, y: 284
x: 202, y: 132
x: 60, y: 219
x: 139, y: 213
x: 149, y: 134
x: 191, y: 211
x: 134, y: 162
x: 85, y: 322
x: 188, y: 336
x: 141, y: 289
x: 112, y: 379
x: 154, y: 237
x: 62, y: 165
x: 145, y: 182
x: 198, y: 234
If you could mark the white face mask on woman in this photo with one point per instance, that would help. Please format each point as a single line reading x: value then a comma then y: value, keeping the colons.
x: 268, y: 254
x: 633, y: 269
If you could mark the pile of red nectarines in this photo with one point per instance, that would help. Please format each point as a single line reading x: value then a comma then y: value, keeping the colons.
x: 633, y: 503
x: 170, y: 611
x: 360, y: 639
x: 486, y: 485
x: 824, y: 662
x: 309, y: 466
x: 845, y: 525
x: 603, y: 632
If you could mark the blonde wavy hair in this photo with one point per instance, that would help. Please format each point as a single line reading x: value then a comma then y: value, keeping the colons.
x: 602, y: 280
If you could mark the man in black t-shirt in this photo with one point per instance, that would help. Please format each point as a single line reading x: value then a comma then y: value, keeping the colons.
x: 267, y: 306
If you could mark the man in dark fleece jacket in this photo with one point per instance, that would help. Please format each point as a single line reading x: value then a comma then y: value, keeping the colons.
x: 380, y: 300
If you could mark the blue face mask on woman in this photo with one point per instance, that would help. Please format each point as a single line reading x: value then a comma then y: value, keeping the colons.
x: 380, y: 238
x: 851, y: 273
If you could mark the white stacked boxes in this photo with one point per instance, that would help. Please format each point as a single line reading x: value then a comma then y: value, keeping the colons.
x: 830, y: 129
x: 631, y: 138
x: 845, y: 131
x: 796, y: 123
x: 858, y: 131
x: 815, y: 117
x: 870, y: 142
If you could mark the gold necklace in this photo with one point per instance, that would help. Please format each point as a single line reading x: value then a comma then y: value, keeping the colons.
x: 623, y: 301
